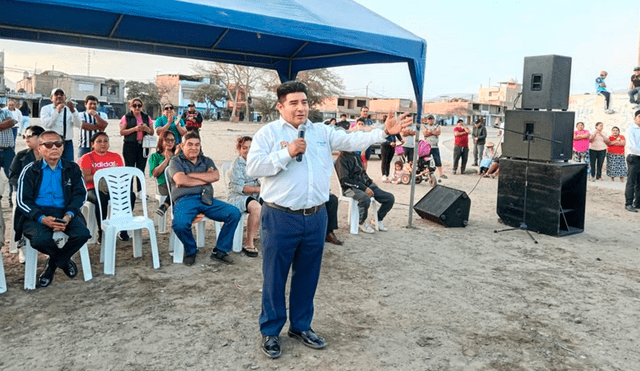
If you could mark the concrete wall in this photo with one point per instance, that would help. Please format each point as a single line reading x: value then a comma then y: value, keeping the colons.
x: 589, y: 108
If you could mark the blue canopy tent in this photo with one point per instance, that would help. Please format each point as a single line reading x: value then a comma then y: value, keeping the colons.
x: 287, y: 36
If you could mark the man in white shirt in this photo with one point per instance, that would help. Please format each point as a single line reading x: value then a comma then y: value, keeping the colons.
x: 632, y: 190
x: 17, y: 116
x: 61, y: 116
x: 296, y: 170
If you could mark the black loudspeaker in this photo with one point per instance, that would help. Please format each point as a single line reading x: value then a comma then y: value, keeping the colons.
x: 546, y: 81
x: 444, y: 205
x: 555, y: 198
x: 554, y: 125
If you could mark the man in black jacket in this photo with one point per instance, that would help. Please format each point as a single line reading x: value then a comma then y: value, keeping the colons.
x: 356, y: 183
x: 479, y: 135
x: 51, y: 193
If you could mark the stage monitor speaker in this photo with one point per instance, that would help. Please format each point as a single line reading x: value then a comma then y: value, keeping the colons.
x: 554, y: 125
x: 546, y: 82
x: 555, y: 198
x: 444, y: 205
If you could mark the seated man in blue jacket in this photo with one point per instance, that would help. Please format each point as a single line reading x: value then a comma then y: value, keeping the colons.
x: 51, y: 193
x: 356, y: 183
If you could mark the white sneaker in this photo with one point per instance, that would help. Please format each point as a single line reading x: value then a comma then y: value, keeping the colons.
x: 381, y: 227
x: 385, y: 178
x: 366, y: 228
x: 21, y: 257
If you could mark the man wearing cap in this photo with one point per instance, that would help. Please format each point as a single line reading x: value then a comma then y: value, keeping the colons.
x: 634, y: 87
x: 632, y: 190
x: 192, y: 118
x: 92, y: 122
x: 431, y: 132
x: 61, y: 116
x: 479, y: 135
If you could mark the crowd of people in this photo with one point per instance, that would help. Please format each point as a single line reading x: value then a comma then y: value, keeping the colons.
x: 280, y: 177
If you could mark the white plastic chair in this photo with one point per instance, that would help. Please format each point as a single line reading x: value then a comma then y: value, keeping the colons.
x: 89, y: 213
x: 119, y: 180
x: 161, y: 221
x: 175, y: 245
x: 354, y: 213
x: 237, y: 236
x: 31, y: 263
x: 3, y: 280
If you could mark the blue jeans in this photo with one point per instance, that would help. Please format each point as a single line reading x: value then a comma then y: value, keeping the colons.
x: 632, y: 96
x: 67, y: 154
x: 6, y: 157
x: 290, y: 242
x: 188, y: 207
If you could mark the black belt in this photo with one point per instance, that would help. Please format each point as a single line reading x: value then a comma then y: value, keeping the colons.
x: 309, y: 211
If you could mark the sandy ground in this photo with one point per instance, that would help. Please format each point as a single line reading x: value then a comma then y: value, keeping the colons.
x: 427, y: 298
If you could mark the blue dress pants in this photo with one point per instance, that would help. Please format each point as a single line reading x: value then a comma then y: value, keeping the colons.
x: 290, y: 242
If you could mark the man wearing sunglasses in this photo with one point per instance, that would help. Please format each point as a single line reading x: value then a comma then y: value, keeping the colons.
x: 61, y: 116
x: 192, y: 118
x: 51, y: 193
x: 169, y: 121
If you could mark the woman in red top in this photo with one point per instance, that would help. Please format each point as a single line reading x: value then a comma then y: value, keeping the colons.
x: 616, y: 165
x: 461, y: 146
x: 100, y: 158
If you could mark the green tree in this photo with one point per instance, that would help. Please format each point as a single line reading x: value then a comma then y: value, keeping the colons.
x: 146, y: 91
x: 209, y: 94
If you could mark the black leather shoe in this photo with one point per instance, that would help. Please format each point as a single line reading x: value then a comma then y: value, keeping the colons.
x: 331, y: 238
x: 71, y: 270
x: 189, y: 260
x: 308, y: 338
x: 271, y: 346
x: 47, y: 275
x: 221, y: 256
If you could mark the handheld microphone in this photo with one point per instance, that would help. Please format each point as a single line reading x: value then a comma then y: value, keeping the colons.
x: 300, y: 135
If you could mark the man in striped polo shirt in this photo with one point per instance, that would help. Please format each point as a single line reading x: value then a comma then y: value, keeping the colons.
x: 92, y: 122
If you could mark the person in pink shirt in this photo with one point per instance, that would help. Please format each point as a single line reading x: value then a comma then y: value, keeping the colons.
x: 133, y: 127
x: 581, y: 144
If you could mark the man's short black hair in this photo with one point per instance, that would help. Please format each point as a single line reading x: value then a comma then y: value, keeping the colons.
x: 290, y: 87
x: 637, y: 113
x: 363, y: 107
x: 343, y: 115
x: 35, y: 129
x: 360, y: 119
x: 91, y: 97
x: 191, y: 135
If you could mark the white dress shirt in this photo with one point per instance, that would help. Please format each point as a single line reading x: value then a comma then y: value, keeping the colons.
x: 633, y: 139
x: 300, y: 185
x: 52, y: 120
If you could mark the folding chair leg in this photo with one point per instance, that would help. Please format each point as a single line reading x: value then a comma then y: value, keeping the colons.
x: 108, y: 240
x: 237, y: 236
x: 3, y: 280
x: 200, y: 233
x: 154, y: 246
x: 374, y: 213
x: 86, y: 263
x: 178, y: 248
x: 137, y: 243
x: 30, y: 266
x: 354, y: 216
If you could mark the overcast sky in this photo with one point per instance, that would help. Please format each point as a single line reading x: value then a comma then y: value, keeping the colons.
x: 469, y: 44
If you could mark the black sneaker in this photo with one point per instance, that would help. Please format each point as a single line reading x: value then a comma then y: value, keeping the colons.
x: 221, y: 256
x: 161, y: 210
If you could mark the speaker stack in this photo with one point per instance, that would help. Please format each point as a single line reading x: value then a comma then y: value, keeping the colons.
x: 556, y: 189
